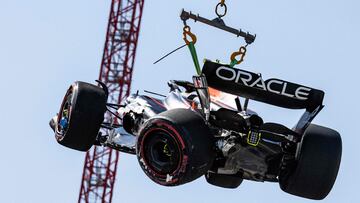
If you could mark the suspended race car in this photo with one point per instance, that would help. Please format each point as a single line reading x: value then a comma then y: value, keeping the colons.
x: 200, y: 128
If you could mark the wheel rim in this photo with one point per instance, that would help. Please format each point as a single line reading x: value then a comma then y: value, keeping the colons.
x: 162, y: 152
x: 63, y: 119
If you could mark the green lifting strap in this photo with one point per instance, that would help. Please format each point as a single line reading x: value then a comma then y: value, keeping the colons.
x: 194, y: 57
x: 233, y: 63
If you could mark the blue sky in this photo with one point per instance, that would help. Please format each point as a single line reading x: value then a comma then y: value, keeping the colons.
x: 46, y: 45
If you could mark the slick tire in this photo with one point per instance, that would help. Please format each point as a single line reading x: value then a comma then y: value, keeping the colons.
x: 175, y: 147
x: 80, y: 116
x: 317, y: 164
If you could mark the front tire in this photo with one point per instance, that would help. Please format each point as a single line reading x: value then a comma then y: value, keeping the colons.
x: 317, y: 166
x: 175, y: 147
x: 80, y: 116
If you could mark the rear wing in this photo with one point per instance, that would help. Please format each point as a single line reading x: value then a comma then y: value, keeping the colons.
x: 250, y: 85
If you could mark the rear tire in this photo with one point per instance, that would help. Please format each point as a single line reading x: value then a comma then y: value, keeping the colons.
x: 175, y: 147
x: 223, y: 180
x: 318, y: 163
x: 80, y: 116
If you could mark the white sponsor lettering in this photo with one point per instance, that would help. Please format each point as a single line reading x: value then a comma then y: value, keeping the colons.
x: 273, y: 82
x: 259, y: 83
x: 302, y: 93
x: 245, y: 78
x: 283, y: 91
x: 226, y: 69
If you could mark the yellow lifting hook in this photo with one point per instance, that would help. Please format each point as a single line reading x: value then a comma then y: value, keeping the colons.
x: 241, y: 53
x: 187, y: 33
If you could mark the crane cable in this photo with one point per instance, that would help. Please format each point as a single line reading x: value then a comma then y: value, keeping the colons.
x: 242, y: 50
x: 241, y: 53
x: 193, y: 39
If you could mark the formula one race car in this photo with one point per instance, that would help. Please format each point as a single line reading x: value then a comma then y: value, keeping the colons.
x: 201, y: 128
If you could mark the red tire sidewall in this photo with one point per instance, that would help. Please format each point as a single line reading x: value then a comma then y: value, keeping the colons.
x: 163, y: 179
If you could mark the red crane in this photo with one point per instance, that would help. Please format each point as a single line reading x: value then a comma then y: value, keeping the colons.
x: 116, y: 70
